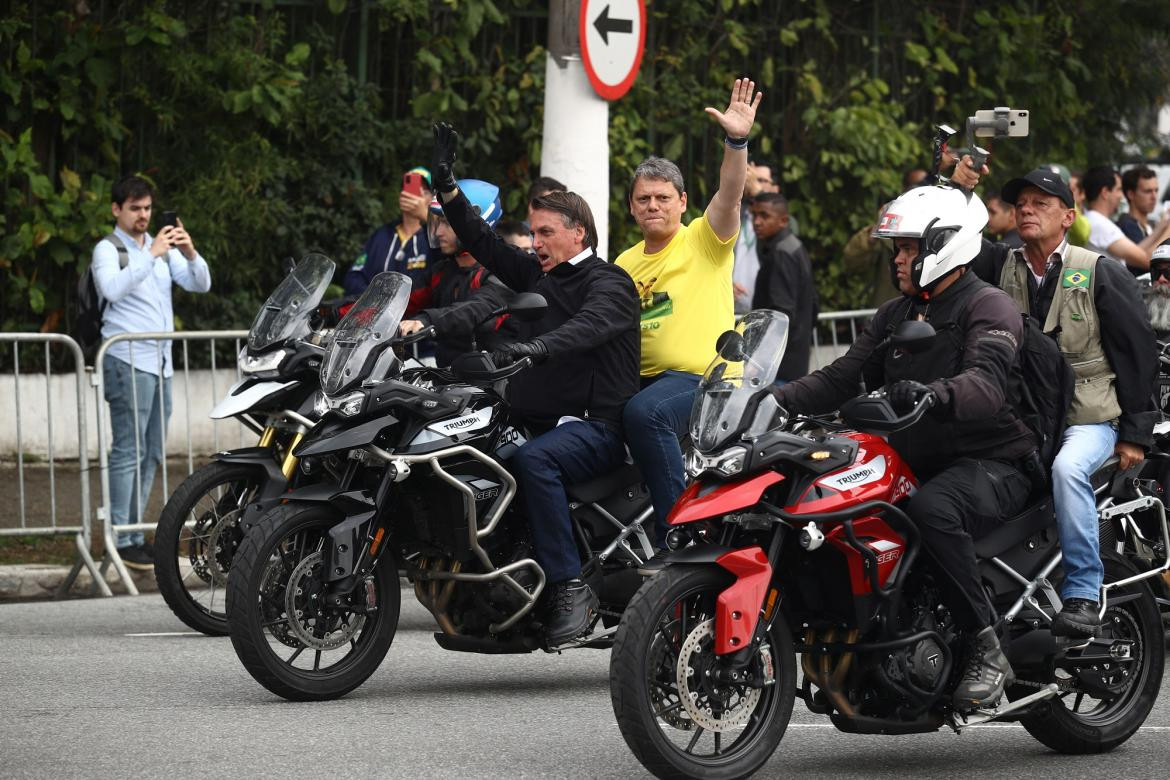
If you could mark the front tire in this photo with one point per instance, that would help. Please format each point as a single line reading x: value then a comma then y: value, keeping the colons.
x: 1081, y: 721
x: 198, y: 533
x: 673, y: 616
x: 279, y: 627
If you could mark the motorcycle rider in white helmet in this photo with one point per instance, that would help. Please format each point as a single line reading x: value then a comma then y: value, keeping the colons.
x: 969, y: 449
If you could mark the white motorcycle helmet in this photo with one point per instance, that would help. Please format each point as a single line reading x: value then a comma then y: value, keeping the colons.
x: 948, y: 224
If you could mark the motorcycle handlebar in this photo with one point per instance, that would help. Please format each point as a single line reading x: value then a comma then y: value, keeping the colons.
x: 874, y: 411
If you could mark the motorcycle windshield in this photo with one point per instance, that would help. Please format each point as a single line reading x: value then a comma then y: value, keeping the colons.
x: 364, y: 329
x: 285, y: 315
x: 746, y: 363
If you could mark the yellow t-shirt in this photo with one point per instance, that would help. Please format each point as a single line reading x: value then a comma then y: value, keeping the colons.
x: 686, y: 297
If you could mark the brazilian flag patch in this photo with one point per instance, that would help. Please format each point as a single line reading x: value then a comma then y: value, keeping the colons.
x: 1075, y: 278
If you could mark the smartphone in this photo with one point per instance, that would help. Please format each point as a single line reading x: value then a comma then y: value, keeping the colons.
x: 170, y: 219
x: 412, y: 183
x: 1017, y: 123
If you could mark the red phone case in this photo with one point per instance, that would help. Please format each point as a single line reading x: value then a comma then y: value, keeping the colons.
x: 412, y: 183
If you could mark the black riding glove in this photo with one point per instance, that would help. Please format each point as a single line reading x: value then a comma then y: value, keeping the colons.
x: 510, y: 353
x: 446, y: 142
x: 905, y: 393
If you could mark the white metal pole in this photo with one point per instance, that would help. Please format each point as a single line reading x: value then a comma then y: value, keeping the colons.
x: 575, y: 140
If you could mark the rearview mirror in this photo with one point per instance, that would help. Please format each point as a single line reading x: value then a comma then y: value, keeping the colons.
x: 528, y: 307
x: 914, y: 336
x: 730, y: 346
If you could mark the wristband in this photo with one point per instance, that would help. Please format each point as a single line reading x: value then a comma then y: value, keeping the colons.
x: 735, y: 143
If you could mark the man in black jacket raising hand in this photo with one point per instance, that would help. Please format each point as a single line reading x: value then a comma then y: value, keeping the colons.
x: 586, y: 355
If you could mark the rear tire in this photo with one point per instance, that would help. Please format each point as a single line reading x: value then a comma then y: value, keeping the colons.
x: 1065, y: 723
x: 284, y: 648
x: 647, y: 692
x: 191, y: 563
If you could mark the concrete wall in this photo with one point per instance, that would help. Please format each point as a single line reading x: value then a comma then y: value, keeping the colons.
x: 25, y: 419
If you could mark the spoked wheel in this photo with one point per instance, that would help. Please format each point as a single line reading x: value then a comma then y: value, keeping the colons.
x: 198, y: 534
x: 675, y: 718
x: 285, y: 633
x: 1110, y: 686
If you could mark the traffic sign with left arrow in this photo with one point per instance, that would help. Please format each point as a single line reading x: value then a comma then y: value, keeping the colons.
x: 613, y: 35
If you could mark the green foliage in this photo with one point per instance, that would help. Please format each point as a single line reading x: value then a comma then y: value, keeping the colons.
x: 279, y: 128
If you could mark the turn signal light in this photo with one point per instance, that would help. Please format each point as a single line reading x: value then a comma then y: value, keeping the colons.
x: 377, y: 541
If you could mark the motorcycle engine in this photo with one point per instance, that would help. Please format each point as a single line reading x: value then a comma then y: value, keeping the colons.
x: 925, y: 663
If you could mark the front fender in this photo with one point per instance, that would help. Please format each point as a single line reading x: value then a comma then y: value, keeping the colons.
x: 261, y: 457
x: 737, y: 609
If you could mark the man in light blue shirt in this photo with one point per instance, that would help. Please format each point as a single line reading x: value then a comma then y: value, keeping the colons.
x: 136, y: 291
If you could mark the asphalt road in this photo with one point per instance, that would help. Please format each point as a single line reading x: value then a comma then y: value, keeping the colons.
x: 119, y: 688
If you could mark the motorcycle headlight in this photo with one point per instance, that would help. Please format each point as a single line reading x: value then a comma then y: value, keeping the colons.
x: 256, y: 364
x: 348, y: 405
x: 728, y: 463
x: 320, y: 404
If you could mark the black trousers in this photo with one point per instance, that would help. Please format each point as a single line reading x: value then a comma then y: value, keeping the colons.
x: 957, y: 506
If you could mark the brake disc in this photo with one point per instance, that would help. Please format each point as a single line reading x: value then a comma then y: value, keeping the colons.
x: 309, y: 623
x: 663, y: 697
x: 719, y: 707
x: 221, y: 547
x: 199, y: 544
x: 278, y: 623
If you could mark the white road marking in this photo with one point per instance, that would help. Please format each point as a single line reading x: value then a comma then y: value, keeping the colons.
x: 984, y: 727
x: 168, y: 633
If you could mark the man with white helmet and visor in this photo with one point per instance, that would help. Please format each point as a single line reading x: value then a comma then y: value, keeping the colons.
x: 968, y: 451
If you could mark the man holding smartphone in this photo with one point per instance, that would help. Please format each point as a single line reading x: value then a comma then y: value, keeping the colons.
x: 400, y: 245
x: 133, y: 273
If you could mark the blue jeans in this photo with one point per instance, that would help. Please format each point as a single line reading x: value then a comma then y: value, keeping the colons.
x: 654, y: 420
x: 570, y: 453
x: 133, y: 396
x: 1084, y: 449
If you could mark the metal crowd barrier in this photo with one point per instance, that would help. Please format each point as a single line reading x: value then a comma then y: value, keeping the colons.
x: 835, y: 331
x: 80, y: 530
x: 109, y: 530
x: 832, y: 323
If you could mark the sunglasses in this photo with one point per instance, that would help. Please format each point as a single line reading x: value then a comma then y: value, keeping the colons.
x: 1162, y: 272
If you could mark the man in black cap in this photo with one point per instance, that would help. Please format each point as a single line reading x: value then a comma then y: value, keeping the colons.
x: 1094, y: 311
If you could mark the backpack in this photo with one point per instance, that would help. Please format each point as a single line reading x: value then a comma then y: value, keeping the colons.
x: 1043, y: 389
x: 91, y: 307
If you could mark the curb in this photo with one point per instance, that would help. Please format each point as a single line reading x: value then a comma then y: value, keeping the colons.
x: 36, y: 581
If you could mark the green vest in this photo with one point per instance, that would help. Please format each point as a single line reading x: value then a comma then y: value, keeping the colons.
x: 1073, y: 315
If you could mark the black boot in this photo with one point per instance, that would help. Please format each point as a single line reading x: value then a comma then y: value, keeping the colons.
x: 571, y: 607
x: 986, y: 674
x: 1078, y: 618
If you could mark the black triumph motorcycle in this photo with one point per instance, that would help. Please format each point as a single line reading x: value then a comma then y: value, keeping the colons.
x: 313, y: 600
x: 204, y: 520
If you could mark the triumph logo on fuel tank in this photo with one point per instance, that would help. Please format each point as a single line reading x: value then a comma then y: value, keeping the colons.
x: 468, y: 422
x: 857, y: 476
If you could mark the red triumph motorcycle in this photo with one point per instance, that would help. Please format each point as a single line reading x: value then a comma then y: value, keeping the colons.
x: 791, y: 540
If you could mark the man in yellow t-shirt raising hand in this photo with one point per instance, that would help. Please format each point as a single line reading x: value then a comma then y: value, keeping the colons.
x: 683, y: 276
